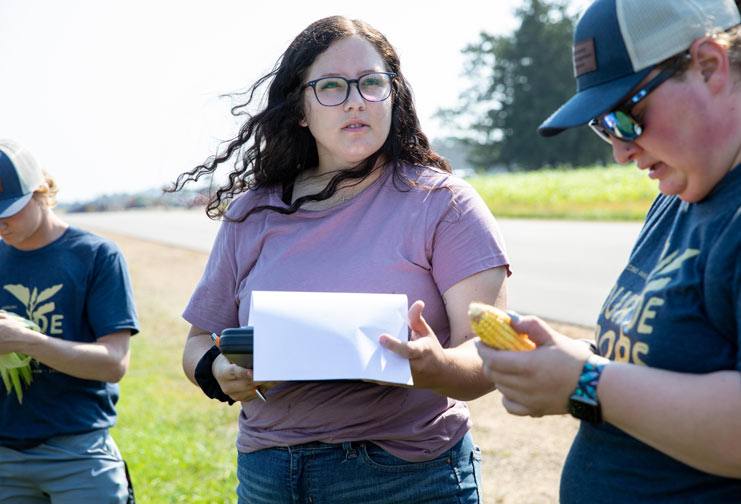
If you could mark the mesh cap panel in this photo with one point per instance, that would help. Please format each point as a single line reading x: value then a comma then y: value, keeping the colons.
x: 659, y: 29
x: 29, y: 175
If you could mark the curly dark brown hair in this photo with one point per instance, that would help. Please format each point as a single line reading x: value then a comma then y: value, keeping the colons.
x: 271, y: 146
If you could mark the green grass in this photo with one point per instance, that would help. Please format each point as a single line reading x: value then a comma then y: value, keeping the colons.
x: 180, y: 448
x: 179, y: 445
x: 594, y: 193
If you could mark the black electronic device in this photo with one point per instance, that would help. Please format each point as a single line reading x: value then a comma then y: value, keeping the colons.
x: 237, y: 345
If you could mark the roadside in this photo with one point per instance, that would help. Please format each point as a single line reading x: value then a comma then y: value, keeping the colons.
x: 562, y: 269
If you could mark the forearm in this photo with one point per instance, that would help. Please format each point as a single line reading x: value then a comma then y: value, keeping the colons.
x: 234, y: 381
x: 196, y: 346
x: 463, y: 377
x: 106, y: 360
x: 693, y: 418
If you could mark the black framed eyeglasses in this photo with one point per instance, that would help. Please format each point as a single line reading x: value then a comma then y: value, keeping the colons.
x: 620, y: 122
x: 333, y: 91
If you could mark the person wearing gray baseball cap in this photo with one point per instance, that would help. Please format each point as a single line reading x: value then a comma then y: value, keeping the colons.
x: 73, y: 289
x: 658, y: 393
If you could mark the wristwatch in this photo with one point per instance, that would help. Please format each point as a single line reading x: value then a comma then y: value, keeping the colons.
x: 583, y: 403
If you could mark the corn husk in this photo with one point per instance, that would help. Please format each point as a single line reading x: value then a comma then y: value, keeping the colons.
x: 15, y: 368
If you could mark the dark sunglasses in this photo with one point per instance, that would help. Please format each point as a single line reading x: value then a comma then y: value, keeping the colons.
x: 620, y: 123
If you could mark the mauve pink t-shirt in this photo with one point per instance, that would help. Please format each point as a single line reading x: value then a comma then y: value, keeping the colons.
x: 413, y: 241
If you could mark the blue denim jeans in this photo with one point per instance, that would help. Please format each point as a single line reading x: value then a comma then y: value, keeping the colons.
x: 358, y: 473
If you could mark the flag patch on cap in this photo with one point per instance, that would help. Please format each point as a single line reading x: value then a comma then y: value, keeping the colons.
x: 585, y: 58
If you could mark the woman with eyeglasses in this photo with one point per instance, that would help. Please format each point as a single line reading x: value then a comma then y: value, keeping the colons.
x: 336, y: 189
x: 659, y: 392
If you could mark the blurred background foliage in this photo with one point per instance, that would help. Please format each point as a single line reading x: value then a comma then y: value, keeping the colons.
x: 517, y: 81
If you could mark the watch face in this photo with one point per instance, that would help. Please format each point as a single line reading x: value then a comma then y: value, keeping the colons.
x: 585, y: 409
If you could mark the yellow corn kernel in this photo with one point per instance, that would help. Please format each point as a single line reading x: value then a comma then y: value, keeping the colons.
x: 492, y: 325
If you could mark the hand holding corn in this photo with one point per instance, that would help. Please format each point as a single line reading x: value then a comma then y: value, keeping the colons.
x: 15, y: 366
x: 492, y: 325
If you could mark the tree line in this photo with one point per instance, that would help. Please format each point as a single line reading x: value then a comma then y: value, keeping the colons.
x: 518, y: 80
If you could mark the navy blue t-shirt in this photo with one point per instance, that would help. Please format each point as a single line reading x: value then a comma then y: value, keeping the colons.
x: 676, y: 306
x: 76, y: 288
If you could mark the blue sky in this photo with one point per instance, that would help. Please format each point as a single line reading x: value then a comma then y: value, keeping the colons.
x: 122, y: 95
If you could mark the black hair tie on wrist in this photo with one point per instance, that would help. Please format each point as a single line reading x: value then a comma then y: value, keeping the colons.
x: 205, y: 377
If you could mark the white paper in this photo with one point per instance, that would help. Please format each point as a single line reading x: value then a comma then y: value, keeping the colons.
x: 328, y: 336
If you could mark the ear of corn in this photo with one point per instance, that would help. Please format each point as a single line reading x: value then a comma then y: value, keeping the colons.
x: 492, y: 325
x: 15, y: 368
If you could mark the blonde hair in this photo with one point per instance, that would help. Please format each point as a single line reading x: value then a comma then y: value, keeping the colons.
x: 729, y: 39
x: 46, y: 194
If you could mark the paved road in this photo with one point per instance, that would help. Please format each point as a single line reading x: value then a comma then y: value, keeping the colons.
x: 184, y: 228
x: 562, y: 270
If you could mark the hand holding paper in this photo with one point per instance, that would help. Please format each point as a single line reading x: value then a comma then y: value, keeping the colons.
x: 424, y: 351
x: 328, y: 336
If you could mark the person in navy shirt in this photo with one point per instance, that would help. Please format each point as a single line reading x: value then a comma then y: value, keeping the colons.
x: 55, y: 445
x: 659, y: 392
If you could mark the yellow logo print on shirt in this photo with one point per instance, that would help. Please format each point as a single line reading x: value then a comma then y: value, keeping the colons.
x: 635, y: 312
x: 35, y: 310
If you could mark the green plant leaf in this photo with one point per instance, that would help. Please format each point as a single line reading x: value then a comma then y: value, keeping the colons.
x: 16, y: 381
x: 15, y: 368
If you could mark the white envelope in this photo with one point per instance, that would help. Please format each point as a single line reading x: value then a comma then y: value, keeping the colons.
x: 328, y: 336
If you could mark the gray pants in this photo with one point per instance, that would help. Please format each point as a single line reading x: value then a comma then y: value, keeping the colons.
x: 65, y: 470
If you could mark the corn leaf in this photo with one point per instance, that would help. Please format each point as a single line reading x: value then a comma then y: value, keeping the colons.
x: 16, y: 384
x: 6, y: 378
x: 15, y: 368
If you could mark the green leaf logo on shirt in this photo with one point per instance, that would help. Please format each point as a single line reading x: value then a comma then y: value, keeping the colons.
x: 32, y: 299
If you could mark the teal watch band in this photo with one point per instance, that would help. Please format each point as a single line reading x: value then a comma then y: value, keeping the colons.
x: 583, y: 403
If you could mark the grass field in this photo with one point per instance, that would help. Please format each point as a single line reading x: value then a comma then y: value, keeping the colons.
x: 180, y: 445
x: 596, y: 193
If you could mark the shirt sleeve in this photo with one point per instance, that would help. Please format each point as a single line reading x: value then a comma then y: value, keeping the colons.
x: 722, y: 284
x: 467, y: 238
x: 734, y: 234
x: 214, y: 304
x: 110, y: 303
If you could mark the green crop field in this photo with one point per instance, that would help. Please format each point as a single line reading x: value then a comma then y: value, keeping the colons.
x: 595, y: 193
x: 179, y: 444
